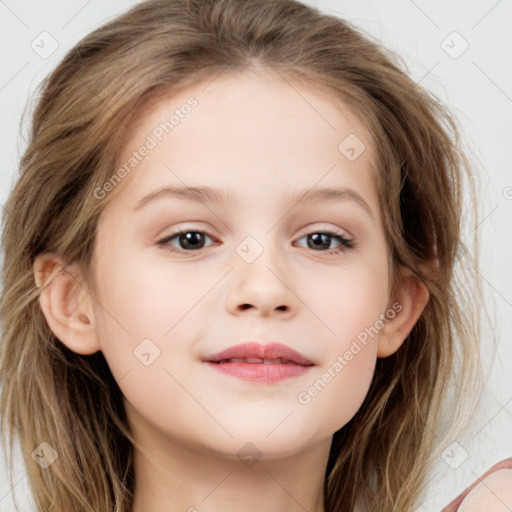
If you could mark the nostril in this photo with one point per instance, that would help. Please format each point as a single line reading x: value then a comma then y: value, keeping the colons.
x: 247, y: 306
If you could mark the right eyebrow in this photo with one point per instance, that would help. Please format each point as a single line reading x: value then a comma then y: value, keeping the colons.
x: 197, y: 194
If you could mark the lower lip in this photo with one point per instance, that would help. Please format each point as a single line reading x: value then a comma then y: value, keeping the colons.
x: 260, y: 372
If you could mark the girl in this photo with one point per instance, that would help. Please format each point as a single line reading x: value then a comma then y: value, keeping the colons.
x: 300, y: 356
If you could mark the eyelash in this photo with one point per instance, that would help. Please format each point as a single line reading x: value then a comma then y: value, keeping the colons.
x: 346, y: 243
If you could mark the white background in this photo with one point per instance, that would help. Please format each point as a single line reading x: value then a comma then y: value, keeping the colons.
x: 477, y: 87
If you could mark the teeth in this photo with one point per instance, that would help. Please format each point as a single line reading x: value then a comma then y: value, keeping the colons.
x: 254, y: 360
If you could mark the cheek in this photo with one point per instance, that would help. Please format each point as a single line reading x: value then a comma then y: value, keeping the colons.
x: 349, y: 301
x: 351, y: 310
x: 146, y: 297
x: 145, y: 322
x: 339, y: 387
x: 141, y: 302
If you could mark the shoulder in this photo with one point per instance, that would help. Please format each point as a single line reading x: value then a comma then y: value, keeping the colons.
x: 494, y: 485
x: 494, y: 492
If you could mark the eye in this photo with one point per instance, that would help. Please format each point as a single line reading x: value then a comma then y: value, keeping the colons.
x: 322, y: 240
x: 189, y: 239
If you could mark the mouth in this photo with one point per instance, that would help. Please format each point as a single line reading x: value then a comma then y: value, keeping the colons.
x: 260, y: 363
x: 255, y: 360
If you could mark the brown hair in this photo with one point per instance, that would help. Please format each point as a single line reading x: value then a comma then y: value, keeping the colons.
x: 49, y: 393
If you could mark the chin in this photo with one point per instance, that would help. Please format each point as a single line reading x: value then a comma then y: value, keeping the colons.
x: 283, y: 441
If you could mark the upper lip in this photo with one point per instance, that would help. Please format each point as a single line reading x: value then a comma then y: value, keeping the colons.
x: 253, y: 349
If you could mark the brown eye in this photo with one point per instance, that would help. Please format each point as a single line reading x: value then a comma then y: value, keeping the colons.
x: 187, y: 240
x: 321, y: 241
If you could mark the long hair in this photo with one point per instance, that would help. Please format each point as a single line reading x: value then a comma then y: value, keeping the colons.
x: 50, y: 394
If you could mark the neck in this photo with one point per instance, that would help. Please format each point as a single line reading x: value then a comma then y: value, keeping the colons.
x: 173, y: 476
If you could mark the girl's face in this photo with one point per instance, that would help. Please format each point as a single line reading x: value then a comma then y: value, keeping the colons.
x: 253, y: 263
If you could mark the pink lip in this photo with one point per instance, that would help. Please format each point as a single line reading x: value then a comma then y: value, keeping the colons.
x: 293, y: 363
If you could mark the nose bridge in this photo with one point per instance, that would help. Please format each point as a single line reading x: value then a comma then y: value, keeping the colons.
x: 261, y: 241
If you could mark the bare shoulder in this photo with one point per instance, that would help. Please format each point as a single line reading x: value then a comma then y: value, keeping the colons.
x: 494, y: 493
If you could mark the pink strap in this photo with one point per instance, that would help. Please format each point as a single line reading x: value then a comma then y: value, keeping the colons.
x: 455, y: 504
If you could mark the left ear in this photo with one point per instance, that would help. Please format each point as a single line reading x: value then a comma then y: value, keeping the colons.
x: 409, y: 302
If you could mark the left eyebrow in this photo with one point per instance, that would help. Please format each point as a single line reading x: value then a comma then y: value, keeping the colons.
x: 203, y: 194
x: 329, y: 195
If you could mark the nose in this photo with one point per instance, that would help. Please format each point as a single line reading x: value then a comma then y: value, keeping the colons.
x: 261, y: 288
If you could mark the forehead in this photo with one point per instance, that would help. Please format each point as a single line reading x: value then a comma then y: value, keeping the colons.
x: 246, y: 127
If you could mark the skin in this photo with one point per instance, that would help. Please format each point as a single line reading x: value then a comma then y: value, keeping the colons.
x: 492, y: 494
x: 256, y: 135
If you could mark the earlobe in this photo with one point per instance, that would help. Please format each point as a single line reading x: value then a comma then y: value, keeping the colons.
x: 66, y: 304
x: 412, y: 297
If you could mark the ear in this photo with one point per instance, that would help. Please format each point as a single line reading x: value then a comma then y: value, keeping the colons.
x: 408, y: 304
x: 66, y: 303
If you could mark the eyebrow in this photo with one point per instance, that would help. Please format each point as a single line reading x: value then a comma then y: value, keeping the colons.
x: 203, y: 194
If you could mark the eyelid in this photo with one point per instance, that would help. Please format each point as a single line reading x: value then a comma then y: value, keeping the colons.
x: 184, y: 227
x: 312, y: 228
